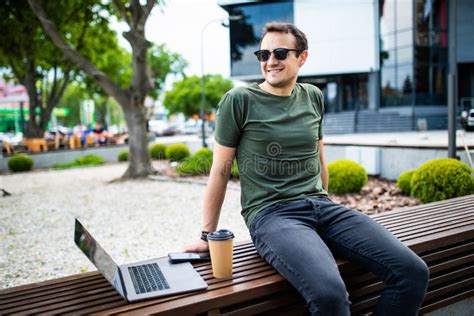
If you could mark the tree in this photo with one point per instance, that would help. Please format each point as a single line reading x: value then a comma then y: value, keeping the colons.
x: 28, y: 57
x: 185, y: 96
x: 131, y: 98
x: 116, y: 63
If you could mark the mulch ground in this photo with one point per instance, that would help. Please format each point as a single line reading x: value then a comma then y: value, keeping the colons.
x: 377, y: 196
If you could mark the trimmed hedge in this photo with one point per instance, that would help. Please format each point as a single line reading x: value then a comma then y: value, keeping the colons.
x: 235, y: 170
x: 123, y: 156
x: 441, y: 179
x: 20, y: 162
x: 199, y: 164
x: 403, y: 181
x: 346, y: 176
x: 205, y: 153
x: 157, y: 151
x: 177, y: 152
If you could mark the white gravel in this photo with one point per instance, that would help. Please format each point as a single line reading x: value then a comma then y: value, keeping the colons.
x: 132, y: 220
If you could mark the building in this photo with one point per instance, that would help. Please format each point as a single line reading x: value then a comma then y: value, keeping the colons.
x: 381, y: 64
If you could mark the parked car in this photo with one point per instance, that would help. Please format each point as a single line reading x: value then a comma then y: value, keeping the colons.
x: 467, y: 120
x: 162, y: 128
x: 194, y: 127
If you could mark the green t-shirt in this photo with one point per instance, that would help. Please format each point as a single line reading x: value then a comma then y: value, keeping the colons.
x: 277, y: 143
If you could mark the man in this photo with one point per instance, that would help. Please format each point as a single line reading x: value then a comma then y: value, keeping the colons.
x: 275, y: 131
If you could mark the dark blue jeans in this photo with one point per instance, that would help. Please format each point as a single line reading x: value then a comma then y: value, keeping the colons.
x: 298, y: 239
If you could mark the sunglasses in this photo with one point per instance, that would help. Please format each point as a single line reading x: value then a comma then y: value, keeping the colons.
x: 279, y: 53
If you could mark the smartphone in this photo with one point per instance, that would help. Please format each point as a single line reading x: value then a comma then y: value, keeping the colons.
x: 178, y: 257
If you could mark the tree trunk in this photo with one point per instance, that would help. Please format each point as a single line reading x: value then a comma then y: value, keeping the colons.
x: 29, y: 81
x: 139, y: 156
x: 131, y: 100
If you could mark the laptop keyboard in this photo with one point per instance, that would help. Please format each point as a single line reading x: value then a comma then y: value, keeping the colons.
x: 148, y: 278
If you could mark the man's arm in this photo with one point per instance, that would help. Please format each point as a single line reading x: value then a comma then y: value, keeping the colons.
x: 324, y: 167
x: 223, y: 158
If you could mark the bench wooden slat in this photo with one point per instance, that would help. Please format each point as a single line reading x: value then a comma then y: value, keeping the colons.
x: 445, y: 301
x: 442, y: 233
x: 439, y: 239
x: 402, y: 214
x: 464, y: 201
x: 449, y: 252
x: 55, y: 283
x: 57, y: 291
x: 453, y: 217
x: 417, y: 218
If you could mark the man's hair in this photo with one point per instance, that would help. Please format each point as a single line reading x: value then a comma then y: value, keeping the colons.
x: 282, y: 27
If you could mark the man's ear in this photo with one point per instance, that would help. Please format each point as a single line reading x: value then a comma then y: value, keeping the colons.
x: 302, y: 57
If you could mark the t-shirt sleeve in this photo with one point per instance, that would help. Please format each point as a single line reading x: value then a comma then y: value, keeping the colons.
x: 228, y: 122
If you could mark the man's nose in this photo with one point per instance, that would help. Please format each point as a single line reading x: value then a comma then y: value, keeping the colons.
x: 272, y: 60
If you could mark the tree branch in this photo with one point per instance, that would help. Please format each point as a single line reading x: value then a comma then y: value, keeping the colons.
x: 75, y: 57
x: 123, y: 13
x: 150, y: 4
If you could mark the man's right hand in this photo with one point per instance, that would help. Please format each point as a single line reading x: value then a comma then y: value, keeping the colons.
x: 197, y: 246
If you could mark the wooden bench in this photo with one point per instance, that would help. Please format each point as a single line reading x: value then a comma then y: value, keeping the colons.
x: 442, y: 233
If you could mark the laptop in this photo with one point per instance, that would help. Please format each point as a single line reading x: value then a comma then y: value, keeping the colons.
x: 141, y: 280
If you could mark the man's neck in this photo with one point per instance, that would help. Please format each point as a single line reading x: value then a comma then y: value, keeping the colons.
x: 279, y: 91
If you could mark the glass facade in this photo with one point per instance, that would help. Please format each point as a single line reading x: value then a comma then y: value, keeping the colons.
x: 246, y: 32
x: 431, y: 53
x: 413, y: 52
x: 396, y: 52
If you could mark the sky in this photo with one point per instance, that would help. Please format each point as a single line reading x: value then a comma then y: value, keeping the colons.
x: 179, y: 25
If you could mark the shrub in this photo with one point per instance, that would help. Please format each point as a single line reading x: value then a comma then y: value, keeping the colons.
x: 205, y: 153
x: 235, y: 170
x: 441, y: 179
x: 87, y: 160
x: 157, y: 151
x: 123, y: 155
x: 195, y: 166
x: 346, y: 176
x: 20, y: 162
x: 177, y: 152
x: 199, y: 164
x: 404, y: 180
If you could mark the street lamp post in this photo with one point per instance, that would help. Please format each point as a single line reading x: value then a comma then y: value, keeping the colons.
x: 203, y: 81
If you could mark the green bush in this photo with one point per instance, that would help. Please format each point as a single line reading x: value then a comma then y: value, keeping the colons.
x: 123, y: 155
x: 346, y: 176
x: 177, y: 152
x: 403, y: 181
x: 205, y: 153
x: 87, y: 160
x: 235, y: 170
x: 199, y: 164
x: 20, y: 162
x: 441, y: 179
x: 157, y: 151
x: 195, y: 166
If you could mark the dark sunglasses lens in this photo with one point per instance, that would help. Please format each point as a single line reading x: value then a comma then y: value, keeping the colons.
x: 262, y: 55
x: 281, y: 53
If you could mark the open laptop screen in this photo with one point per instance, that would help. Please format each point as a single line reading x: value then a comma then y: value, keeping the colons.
x: 96, y: 254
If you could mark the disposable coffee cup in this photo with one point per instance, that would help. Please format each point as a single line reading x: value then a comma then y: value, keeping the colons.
x: 221, y: 249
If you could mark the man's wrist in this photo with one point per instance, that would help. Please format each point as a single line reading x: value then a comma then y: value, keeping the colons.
x: 204, y: 235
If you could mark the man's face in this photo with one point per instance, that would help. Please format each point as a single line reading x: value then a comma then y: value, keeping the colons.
x: 281, y: 73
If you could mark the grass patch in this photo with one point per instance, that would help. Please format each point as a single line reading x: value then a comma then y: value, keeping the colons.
x: 85, y: 161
